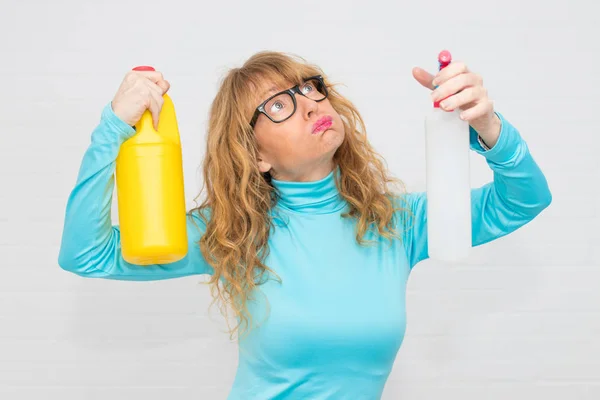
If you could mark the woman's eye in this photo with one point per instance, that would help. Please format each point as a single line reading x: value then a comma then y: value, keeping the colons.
x: 307, y: 87
x: 277, y: 106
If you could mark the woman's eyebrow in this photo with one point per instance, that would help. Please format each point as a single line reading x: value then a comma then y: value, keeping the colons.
x: 273, y: 89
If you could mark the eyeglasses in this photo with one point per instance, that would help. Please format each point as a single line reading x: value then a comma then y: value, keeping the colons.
x: 282, y: 105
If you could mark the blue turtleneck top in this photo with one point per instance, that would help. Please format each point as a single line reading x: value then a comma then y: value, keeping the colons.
x: 337, y: 319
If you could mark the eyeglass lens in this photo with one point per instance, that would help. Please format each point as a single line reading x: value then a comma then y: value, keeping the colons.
x: 282, y: 106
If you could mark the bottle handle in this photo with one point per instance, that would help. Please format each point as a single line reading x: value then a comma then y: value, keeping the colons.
x: 146, y: 118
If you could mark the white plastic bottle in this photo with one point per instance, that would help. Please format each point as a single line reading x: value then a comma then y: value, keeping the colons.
x: 448, y: 182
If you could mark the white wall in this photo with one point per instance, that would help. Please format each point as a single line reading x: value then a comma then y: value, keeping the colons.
x: 520, y: 320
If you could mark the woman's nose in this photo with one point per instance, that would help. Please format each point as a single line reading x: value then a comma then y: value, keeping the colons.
x: 308, y: 106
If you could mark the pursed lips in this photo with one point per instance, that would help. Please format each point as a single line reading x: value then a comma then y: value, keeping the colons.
x: 322, y: 123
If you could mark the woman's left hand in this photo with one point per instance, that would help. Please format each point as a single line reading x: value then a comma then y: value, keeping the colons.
x: 460, y: 88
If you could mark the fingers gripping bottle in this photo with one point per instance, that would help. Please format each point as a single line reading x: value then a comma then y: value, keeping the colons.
x: 151, y: 200
x: 448, y: 182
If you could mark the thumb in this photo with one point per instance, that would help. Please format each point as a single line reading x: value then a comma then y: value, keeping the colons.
x: 423, y: 77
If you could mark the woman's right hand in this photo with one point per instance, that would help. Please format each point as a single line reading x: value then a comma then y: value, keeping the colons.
x: 140, y: 91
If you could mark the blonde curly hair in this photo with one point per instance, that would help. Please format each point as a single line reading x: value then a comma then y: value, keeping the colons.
x: 239, y: 197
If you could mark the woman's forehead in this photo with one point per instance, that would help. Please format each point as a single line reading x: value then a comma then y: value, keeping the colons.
x: 269, y: 87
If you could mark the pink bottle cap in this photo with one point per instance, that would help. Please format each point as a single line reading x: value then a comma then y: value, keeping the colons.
x: 444, y: 59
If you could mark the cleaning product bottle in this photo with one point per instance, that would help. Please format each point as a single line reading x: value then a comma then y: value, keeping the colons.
x: 448, y: 181
x: 150, y: 190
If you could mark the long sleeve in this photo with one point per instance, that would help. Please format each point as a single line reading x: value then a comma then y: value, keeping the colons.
x: 517, y: 194
x: 91, y: 245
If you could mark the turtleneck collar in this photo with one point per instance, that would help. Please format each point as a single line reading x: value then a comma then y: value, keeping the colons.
x: 316, y: 197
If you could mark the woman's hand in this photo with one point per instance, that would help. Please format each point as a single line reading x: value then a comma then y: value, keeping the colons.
x: 140, y: 91
x: 460, y: 88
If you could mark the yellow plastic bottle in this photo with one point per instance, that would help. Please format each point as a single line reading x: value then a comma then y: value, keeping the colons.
x: 150, y: 190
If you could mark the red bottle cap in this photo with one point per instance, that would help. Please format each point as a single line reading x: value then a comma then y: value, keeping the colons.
x: 444, y: 58
x: 144, y: 68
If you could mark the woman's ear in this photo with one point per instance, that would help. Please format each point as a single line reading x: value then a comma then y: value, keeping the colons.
x: 263, y: 166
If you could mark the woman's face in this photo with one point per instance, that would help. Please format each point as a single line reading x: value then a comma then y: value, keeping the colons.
x: 300, y: 148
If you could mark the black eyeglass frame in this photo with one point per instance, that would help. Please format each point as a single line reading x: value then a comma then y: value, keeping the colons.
x: 291, y: 91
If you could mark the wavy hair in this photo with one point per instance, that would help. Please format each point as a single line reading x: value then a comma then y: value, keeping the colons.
x: 236, y: 210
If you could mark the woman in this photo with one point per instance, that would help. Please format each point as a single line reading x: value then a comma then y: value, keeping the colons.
x: 300, y: 233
